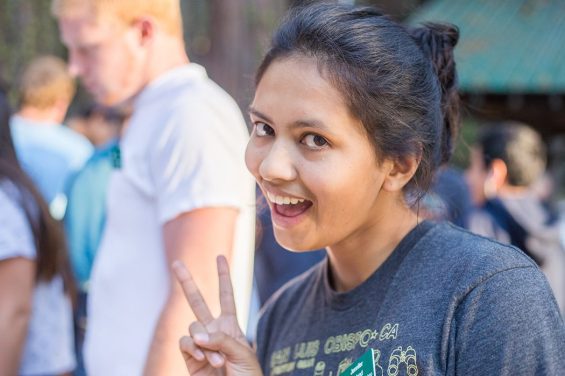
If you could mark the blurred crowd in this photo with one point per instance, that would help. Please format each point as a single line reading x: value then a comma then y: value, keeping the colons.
x: 95, y: 207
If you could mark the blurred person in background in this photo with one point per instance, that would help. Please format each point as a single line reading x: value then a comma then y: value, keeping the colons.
x: 181, y: 190
x: 99, y: 124
x: 449, y: 198
x: 49, y: 152
x: 36, y: 332
x: 86, y: 210
x: 507, y: 162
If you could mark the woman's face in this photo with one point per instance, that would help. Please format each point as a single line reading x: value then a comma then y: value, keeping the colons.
x: 312, y: 159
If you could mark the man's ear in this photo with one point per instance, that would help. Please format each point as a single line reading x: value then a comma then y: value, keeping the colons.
x: 498, y: 173
x: 145, y: 27
x: 400, y: 173
x: 60, y: 108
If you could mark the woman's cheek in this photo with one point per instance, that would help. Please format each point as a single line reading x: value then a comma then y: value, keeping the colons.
x: 252, y: 159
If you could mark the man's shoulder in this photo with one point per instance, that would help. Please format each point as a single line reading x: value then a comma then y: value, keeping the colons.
x: 191, y: 107
x: 187, y: 81
x: 192, y: 91
x: 75, y: 146
x: 74, y: 138
x: 57, y: 138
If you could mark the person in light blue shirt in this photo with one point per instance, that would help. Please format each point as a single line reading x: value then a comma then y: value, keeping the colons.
x: 86, y: 210
x: 85, y: 216
x: 48, y: 151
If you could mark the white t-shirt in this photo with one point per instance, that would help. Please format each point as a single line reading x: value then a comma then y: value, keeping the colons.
x: 183, y: 149
x: 49, y: 343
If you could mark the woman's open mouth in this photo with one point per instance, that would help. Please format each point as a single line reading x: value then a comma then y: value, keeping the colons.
x: 287, y: 206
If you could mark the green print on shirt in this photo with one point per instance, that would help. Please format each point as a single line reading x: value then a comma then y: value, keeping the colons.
x: 366, y: 365
x: 303, y: 355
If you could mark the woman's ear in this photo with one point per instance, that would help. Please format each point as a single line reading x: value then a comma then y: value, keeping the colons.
x: 400, y: 173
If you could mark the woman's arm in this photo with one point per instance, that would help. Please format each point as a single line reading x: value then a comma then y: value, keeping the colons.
x: 17, y: 279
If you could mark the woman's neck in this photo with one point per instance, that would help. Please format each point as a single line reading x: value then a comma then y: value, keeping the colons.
x: 356, y: 258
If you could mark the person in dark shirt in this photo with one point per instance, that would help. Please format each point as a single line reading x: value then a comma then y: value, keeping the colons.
x: 274, y: 266
x: 352, y: 116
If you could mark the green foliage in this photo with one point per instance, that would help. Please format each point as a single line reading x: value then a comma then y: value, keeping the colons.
x: 467, y: 134
x: 27, y: 30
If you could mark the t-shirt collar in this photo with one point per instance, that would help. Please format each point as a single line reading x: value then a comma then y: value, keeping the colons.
x: 377, y: 284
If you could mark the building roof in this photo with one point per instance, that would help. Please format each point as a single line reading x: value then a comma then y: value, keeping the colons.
x: 505, y: 46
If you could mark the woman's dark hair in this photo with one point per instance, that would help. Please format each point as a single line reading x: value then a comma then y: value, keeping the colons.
x: 401, y: 83
x: 52, y: 258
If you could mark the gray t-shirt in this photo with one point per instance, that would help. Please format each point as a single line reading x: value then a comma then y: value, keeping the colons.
x: 445, y: 302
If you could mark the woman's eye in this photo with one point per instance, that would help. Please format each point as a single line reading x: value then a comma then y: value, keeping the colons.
x: 314, y: 141
x: 262, y: 129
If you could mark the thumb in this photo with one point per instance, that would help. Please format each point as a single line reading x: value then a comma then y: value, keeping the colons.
x: 236, y: 352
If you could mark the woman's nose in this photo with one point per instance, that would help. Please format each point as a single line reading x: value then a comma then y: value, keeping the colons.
x: 278, y: 163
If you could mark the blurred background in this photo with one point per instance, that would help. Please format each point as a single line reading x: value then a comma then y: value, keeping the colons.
x: 511, y: 59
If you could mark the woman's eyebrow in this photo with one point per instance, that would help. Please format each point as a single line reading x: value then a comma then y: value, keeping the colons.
x: 306, y: 123
x: 253, y: 111
x: 310, y: 123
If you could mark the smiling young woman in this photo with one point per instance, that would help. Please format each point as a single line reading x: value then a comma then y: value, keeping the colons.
x: 313, y: 150
x: 352, y: 115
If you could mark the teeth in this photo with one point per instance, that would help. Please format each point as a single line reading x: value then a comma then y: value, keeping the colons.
x: 283, y: 200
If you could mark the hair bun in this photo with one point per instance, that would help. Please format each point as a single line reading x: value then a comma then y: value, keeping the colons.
x: 438, y: 41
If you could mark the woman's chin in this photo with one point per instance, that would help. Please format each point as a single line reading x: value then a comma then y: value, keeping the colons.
x: 290, y: 243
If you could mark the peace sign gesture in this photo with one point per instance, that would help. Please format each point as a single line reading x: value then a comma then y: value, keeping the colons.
x: 216, y: 345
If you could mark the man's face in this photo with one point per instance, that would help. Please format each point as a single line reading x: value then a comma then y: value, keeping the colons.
x: 477, y: 175
x: 106, y: 54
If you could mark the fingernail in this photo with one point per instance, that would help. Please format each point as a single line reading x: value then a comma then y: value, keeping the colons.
x: 216, y: 359
x: 179, y: 269
x: 201, y: 338
x: 199, y: 355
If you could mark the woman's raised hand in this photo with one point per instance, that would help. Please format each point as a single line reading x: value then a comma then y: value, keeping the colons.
x: 215, y: 345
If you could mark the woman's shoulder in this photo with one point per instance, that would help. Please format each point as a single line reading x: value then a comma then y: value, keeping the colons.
x: 11, y: 200
x: 449, y: 258
x: 453, y: 261
x: 16, y: 237
x: 459, y: 246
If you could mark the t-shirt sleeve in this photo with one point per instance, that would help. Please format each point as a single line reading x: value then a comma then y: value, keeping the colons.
x: 16, y: 239
x: 508, y: 325
x: 198, y: 161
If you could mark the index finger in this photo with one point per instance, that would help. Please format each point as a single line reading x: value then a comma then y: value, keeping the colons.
x: 227, y: 301
x: 192, y: 293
